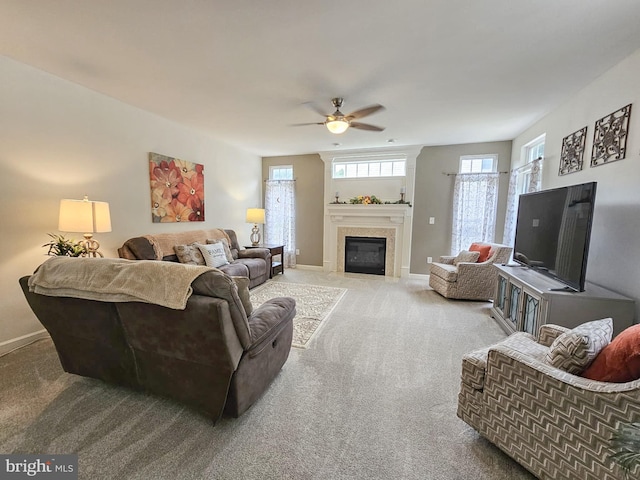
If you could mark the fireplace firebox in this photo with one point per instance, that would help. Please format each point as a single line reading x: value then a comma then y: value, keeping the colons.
x: 365, y: 255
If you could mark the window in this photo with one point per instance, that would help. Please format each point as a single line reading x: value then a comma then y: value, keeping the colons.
x: 478, y: 163
x: 534, y: 149
x: 475, y: 201
x: 281, y: 172
x: 369, y: 168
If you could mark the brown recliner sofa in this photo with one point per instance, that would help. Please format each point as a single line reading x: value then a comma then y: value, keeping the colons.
x: 211, y: 355
x: 254, y: 263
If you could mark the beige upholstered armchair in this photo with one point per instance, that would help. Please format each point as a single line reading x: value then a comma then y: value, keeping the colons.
x: 468, y: 280
x: 555, y: 424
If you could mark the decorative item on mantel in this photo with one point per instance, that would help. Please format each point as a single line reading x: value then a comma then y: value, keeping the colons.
x: 370, y: 200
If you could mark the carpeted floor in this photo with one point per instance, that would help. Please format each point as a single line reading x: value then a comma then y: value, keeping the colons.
x: 373, y: 397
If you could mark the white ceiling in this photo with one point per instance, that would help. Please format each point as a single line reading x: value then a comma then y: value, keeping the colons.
x: 447, y: 71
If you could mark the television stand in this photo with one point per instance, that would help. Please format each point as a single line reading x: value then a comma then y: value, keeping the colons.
x: 526, y: 299
x: 563, y: 289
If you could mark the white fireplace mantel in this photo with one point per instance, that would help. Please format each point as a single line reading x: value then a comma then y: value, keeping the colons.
x: 393, y: 213
x: 391, y: 221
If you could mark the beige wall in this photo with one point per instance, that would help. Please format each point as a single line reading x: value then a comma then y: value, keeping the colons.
x: 434, y: 197
x: 308, y: 170
x: 60, y: 140
x: 614, y: 256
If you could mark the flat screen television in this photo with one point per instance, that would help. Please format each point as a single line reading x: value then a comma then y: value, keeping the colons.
x: 553, y: 231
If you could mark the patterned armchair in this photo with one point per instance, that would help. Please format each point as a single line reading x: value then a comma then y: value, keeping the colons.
x: 468, y: 281
x: 555, y: 424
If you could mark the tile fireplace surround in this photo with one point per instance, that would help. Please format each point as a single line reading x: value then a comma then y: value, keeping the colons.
x: 392, y: 222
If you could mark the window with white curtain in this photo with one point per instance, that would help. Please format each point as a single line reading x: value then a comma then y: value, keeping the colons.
x: 280, y: 217
x: 475, y: 201
x: 525, y: 179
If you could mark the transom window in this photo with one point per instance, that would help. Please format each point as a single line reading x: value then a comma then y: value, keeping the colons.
x: 478, y: 163
x: 371, y: 168
x: 281, y: 172
x: 534, y: 149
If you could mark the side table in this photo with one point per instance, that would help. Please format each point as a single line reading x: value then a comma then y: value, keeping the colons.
x: 277, y: 266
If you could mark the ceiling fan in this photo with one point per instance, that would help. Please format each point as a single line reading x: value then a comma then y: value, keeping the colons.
x: 337, y: 122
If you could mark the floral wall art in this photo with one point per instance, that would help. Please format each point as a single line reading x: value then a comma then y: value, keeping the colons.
x: 177, y: 189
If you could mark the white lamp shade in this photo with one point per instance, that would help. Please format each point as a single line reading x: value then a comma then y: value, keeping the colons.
x: 84, y: 216
x: 255, y: 215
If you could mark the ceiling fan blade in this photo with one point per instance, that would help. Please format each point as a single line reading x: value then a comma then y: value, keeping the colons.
x: 366, y: 126
x: 315, y: 108
x: 363, y: 112
x: 304, y: 124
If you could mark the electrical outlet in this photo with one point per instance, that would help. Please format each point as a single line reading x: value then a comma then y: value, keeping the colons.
x: 297, y: 251
x: 432, y: 220
x: 429, y: 259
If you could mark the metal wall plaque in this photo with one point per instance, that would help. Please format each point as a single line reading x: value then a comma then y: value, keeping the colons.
x: 572, y: 154
x: 610, y: 137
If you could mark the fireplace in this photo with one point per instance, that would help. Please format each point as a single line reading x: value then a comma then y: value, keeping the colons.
x: 365, y: 255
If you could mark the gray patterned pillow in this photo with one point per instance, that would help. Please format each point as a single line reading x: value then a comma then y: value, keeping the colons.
x: 466, y: 256
x: 573, y: 351
x: 189, y: 254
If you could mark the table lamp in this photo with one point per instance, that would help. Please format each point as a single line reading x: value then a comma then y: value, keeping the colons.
x: 87, y: 217
x: 255, y: 216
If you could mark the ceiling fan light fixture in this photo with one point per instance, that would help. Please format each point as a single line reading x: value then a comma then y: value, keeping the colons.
x: 337, y: 126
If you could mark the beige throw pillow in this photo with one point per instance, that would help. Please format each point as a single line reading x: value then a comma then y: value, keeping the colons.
x: 466, y: 256
x: 213, y: 254
x: 574, y: 351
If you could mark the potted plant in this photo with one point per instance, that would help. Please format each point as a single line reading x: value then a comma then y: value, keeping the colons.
x: 625, y: 444
x: 61, y: 246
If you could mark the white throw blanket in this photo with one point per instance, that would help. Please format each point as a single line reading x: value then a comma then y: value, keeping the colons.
x: 117, y: 280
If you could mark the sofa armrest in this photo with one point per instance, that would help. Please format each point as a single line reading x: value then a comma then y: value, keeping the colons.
x: 549, y: 332
x: 254, y: 253
x: 529, y: 406
x: 446, y: 259
x: 268, y: 320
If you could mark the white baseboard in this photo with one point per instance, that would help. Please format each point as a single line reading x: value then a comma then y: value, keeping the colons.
x: 15, y: 343
x: 418, y: 276
x: 316, y: 268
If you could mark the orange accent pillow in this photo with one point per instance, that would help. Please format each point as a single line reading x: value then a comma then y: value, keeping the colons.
x: 485, y: 251
x: 619, y: 361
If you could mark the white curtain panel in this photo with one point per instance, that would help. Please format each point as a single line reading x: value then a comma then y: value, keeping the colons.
x: 535, y: 184
x: 475, y: 201
x: 280, y: 217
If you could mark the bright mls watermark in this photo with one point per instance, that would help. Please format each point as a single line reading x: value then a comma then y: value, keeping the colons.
x: 49, y: 467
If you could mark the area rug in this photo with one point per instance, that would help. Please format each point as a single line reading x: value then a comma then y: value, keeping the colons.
x: 314, y: 303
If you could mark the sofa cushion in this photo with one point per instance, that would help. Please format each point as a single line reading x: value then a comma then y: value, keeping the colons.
x: 484, y: 251
x: 213, y: 254
x: 448, y: 273
x: 189, y: 254
x: 619, y: 361
x: 573, y: 351
x: 466, y: 256
x: 474, y: 363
